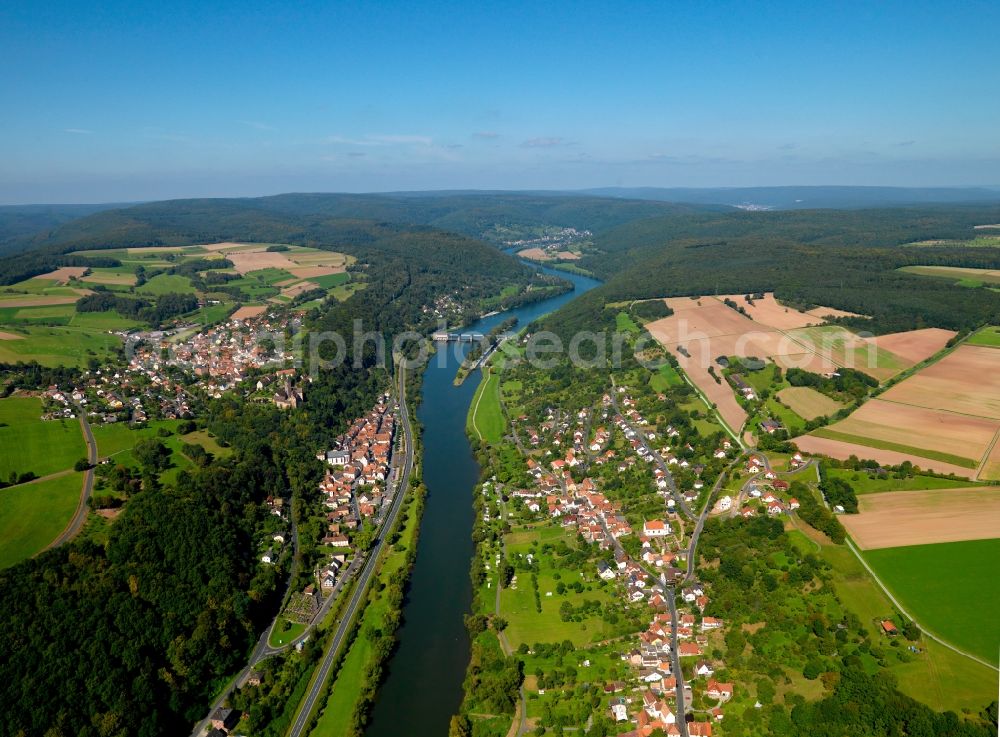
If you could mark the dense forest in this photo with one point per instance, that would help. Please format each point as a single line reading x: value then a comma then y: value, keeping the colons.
x: 843, y: 259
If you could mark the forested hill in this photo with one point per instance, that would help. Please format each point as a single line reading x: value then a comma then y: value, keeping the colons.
x: 836, y: 258
x: 307, y: 215
x: 803, y: 198
x: 20, y: 224
x: 452, y: 259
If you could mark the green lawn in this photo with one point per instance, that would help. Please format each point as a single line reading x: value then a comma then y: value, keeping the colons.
x: 826, y: 432
x: 952, y: 587
x: 988, y: 336
x: 57, y: 346
x: 32, y: 515
x: 28, y: 443
x: 280, y: 636
x: 485, y: 416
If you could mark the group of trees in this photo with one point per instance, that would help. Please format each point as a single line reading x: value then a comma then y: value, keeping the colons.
x: 814, y: 513
x: 846, y: 384
x: 839, y: 492
x: 152, y: 311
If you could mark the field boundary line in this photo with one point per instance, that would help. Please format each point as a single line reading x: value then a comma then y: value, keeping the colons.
x: 885, y: 590
x: 933, y: 409
x: 986, y: 457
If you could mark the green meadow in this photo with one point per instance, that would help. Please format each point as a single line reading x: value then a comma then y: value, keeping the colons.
x: 485, y: 416
x: 32, y: 515
x: 988, y: 336
x: 28, y: 443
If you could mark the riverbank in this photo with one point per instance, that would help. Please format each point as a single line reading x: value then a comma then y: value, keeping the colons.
x: 432, y: 640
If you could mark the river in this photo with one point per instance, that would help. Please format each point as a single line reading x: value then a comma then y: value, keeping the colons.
x: 424, y: 683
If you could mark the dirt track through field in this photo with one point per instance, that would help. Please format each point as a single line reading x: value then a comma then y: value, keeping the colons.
x: 899, y: 518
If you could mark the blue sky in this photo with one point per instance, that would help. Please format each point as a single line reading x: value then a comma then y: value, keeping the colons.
x: 135, y: 100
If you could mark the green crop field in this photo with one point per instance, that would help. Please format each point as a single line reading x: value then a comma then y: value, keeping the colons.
x: 988, y: 336
x: 485, y: 416
x: 32, y: 515
x: 329, y: 281
x: 57, y: 346
x: 165, y: 283
x: 28, y: 443
x: 950, y: 587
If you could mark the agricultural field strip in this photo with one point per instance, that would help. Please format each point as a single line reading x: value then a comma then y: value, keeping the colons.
x: 921, y: 517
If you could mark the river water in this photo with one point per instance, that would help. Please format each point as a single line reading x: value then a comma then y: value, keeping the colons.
x: 424, y: 684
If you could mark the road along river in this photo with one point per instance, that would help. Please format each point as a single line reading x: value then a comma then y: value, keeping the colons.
x: 424, y: 683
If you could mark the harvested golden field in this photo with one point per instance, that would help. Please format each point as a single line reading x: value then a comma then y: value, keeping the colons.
x: 840, y: 347
x: 921, y: 428
x: 967, y: 380
x: 921, y: 517
x: 808, y: 403
x: 299, y: 261
x: 246, y: 261
x: 768, y: 311
x: 247, y: 312
x: 37, y: 301
x: 10, y: 336
x: 535, y: 254
x: 567, y: 255
x: 915, y: 345
x: 306, y: 272
x: 842, y: 449
x: 63, y: 274
x: 831, y: 312
x: 296, y: 290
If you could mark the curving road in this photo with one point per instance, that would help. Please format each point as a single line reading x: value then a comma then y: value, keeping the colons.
x: 79, y: 519
x: 318, y: 684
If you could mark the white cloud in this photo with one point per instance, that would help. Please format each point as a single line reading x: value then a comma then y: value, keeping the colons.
x: 79, y: 131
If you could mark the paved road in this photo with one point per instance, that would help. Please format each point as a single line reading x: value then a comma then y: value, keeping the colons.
x: 318, y: 684
x: 657, y: 458
x: 675, y: 661
x: 80, y: 516
x: 264, y: 650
